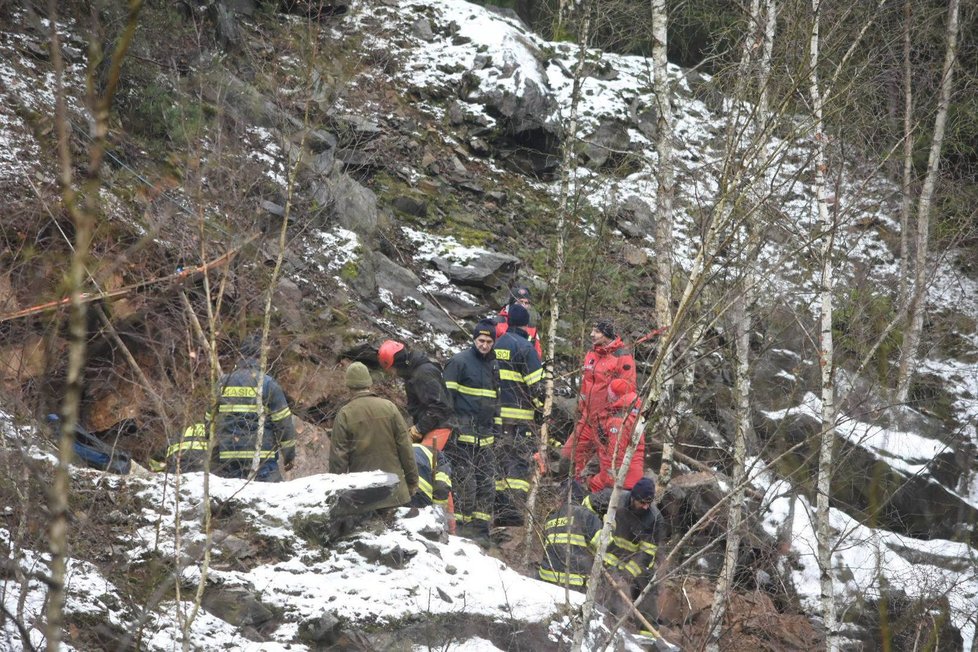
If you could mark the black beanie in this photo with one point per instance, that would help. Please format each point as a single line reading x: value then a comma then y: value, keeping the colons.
x: 644, y: 489
x: 518, y: 315
x: 484, y: 328
x: 606, y: 327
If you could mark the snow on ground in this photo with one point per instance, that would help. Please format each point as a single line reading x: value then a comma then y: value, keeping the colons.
x: 867, y: 559
x: 458, y: 576
x: 439, y: 578
x: 865, y: 555
x: 463, y: 36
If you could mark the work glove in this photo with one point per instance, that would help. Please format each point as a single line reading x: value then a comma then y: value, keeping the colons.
x: 416, y: 435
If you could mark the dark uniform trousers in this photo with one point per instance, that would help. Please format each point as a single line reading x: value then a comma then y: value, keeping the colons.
x: 473, y: 465
x: 515, y: 446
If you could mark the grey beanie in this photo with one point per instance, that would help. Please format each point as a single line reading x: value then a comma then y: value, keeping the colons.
x: 358, y: 376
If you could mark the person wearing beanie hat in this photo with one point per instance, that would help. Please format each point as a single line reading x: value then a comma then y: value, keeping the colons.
x: 520, y: 390
x: 609, y: 359
x: 643, y: 492
x: 369, y: 434
x: 237, y: 418
x: 486, y: 328
x: 519, y: 316
x: 358, y: 376
x: 607, y: 330
x: 470, y: 377
x: 519, y: 295
x: 617, y: 425
x: 639, y: 531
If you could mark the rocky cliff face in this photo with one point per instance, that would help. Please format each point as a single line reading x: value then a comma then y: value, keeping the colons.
x: 413, y: 149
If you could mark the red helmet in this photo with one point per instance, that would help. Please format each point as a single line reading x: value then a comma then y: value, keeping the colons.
x: 387, y: 351
x: 619, y: 387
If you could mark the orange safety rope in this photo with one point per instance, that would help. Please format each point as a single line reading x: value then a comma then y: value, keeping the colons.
x: 88, y: 297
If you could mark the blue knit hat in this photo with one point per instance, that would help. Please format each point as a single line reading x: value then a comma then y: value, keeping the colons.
x: 518, y: 316
x: 644, y: 489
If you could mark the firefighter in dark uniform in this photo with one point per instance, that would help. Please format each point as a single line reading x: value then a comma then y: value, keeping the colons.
x: 639, y: 531
x: 427, y: 402
x: 190, y: 453
x: 570, y: 538
x: 471, y: 380
x: 434, y: 477
x: 243, y: 397
x: 520, y: 373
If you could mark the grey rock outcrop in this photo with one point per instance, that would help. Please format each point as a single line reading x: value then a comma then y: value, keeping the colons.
x: 489, y: 270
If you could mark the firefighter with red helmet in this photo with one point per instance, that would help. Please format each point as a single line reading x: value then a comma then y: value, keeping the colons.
x: 615, y: 432
x: 427, y: 402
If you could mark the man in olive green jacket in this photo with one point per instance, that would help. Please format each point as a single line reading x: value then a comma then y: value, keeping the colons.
x: 369, y: 434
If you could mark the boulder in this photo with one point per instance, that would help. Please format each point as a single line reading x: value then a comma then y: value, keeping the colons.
x: 635, y: 218
x: 403, y: 285
x: 236, y: 605
x: 351, y: 205
x: 644, y: 117
x: 376, y: 552
x: 410, y: 205
x: 225, y: 27
x: 606, y: 144
x: 244, y: 102
x: 525, y: 136
x: 487, y: 269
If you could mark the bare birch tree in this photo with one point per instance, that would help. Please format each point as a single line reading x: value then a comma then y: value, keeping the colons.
x: 906, y: 201
x: 825, y: 350
x: 564, y: 210
x: 81, y: 202
x: 665, y: 178
x: 925, y: 203
x: 758, y: 42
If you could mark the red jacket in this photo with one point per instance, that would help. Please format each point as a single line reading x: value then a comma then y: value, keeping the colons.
x: 603, y: 364
x: 617, y: 425
x: 502, y: 323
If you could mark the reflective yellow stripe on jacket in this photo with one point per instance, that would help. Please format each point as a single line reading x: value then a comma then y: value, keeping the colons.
x: 564, y: 538
x: 474, y: 440
x: 512, y: 483
x: 247, y: 455
x: 555, y: 577
x: 471, y: 391
x: 191, y: 445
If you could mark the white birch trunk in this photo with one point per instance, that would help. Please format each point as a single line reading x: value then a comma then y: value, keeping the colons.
x: 721, y: 595
x: 81, y: 201
x: 764, y: 69
x: 757, y: 44
x: 906, y: 204
x: 908, y: 355
x: 662, y: 382
x: 823, y: 527
x: 568, y: 157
